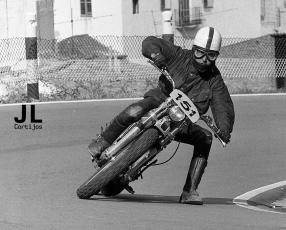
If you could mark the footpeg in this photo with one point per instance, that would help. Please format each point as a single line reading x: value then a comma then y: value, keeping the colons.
x: 129, y: 189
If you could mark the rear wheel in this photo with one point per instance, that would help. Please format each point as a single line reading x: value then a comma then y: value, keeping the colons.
x: 115, y: 166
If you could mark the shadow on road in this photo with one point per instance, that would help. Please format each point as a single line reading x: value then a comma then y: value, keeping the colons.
x: 145, y: 198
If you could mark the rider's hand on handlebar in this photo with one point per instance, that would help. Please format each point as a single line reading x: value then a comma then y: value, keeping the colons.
x: 159, y: 60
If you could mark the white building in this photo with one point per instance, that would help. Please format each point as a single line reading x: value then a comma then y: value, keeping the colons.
x: 60, y: 19
x: 243, y: 18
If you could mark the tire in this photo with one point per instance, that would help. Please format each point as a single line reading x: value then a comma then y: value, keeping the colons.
x: 108, y: 172
x: 113, y: 188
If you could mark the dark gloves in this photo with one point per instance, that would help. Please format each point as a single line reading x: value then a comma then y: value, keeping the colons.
x: 165, y: 85
x: 224, y: 135
x: 159, y: 60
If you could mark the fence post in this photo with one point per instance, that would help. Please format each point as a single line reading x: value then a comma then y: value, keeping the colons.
x: 280, y: 54
x: 31, y: 56
x: 116, y: 64
x: 168, y: 32
x: 117, y: 61
x: 110, y: 58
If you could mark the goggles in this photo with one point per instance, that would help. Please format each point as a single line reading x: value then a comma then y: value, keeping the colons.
x: 211, y: 55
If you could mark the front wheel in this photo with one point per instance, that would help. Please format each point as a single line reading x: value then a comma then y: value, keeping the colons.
x: 115, y: 166
x: 113, y: 187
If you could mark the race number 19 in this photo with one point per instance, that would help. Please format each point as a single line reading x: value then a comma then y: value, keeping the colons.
x: 186, y: 105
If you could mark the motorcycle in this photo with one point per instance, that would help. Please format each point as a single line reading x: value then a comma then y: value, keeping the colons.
x: 135, y: 150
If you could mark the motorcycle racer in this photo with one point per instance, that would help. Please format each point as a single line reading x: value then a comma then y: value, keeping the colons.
x: 195, y: 73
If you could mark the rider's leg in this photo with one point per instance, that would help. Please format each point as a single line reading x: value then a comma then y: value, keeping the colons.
x: 128, y: 116
x: 202, y: 140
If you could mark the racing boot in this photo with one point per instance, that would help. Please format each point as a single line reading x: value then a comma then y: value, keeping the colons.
x: 96, y: 147
x: 105, y: 139
x: 196, y: 170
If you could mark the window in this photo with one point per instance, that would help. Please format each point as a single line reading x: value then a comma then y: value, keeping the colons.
x: 135, y: 6
x: 186, y: 15
x: 184, y: 12
x: 165, y: 5
x: 208, y: 3
x: 85, y: 8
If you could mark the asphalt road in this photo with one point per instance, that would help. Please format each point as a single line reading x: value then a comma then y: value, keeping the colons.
x: 41, y: 169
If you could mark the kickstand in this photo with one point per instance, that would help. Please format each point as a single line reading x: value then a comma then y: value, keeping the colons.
x: 129, y: 189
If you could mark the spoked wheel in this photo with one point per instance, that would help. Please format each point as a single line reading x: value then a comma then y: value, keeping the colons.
x: 115, y: 166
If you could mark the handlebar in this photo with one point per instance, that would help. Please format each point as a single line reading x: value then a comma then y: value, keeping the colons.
x: 161, y: 70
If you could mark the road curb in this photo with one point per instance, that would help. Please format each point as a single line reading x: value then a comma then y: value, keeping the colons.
x: 263, y: 198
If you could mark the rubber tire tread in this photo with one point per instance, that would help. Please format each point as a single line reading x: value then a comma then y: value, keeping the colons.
x: 128, y: 155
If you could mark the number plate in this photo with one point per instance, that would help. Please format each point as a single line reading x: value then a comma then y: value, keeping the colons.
x: 186, y: 105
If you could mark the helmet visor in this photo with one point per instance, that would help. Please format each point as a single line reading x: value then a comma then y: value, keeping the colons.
x: 211, y: 55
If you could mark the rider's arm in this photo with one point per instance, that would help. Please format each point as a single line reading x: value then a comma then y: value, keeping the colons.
x: 153, y: 45
x: 222, y: 105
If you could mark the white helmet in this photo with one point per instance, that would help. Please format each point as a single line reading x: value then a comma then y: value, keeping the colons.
x: 208, y: 38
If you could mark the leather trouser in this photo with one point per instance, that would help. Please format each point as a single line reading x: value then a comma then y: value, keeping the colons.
x: 128, y: 116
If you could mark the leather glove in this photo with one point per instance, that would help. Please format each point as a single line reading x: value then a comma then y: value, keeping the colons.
x: 165, y: 85
x: 159, y: 60
x: 224, y: 135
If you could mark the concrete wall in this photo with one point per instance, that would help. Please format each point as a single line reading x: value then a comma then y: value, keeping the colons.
x: 14, y: 16
x: 147, y: 22
x: 235, y: 18
x: 45, y: 19
x: 15, y: 24
x: 106, y: 18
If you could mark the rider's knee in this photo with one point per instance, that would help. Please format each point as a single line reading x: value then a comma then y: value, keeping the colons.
x: 133, y: 113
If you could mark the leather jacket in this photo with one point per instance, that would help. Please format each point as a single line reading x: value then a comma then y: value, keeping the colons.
x: 206, y: 89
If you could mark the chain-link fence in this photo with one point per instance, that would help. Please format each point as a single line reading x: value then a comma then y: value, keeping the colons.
x: 112, y: 66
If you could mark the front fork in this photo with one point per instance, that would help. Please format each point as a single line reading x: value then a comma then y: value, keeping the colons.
x: 145, y: 161
x: 137, y: 169
x: 171, y: 135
